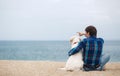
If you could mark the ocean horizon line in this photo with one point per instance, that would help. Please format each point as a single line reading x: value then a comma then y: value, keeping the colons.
x: 49, y: 40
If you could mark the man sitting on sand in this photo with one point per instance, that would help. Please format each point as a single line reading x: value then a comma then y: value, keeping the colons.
x: 92, y: 50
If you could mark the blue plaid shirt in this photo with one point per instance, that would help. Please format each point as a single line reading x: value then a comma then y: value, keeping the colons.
x: 92, y: 50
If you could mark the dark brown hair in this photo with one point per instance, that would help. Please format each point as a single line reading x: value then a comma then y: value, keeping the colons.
x: 92, y: 30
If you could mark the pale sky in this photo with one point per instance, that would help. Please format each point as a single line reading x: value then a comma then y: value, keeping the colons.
x: 58, y: 19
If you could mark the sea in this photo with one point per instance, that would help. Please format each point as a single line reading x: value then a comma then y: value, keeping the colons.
x: 48, y: 50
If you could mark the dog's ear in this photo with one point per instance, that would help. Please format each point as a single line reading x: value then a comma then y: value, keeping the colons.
x: 71, y: 39
x: 79, y: 38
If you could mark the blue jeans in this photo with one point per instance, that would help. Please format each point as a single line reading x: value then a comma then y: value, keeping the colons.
x: 104, y: 59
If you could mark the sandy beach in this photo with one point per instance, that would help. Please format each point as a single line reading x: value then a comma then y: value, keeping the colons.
x: 50, y: 68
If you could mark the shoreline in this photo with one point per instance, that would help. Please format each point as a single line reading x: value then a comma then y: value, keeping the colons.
x: 50, y: 68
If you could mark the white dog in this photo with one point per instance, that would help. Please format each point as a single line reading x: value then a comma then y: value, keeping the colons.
x: 75, y: 61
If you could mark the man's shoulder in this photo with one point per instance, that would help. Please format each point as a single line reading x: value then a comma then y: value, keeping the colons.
x: 90, y: 39
x: 100, y: 39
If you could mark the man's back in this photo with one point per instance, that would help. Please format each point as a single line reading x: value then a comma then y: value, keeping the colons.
x: 92, y: 50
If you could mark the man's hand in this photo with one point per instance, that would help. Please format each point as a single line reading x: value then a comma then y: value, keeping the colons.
x: 80, y: 33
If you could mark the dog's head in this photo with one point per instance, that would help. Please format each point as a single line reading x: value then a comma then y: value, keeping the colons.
x: 74, y: 40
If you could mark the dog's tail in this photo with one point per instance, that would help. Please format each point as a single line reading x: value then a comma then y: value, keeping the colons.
x: 65, y: 69
x: 62, y: 69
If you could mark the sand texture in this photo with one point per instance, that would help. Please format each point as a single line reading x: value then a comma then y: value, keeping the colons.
x: 50, y: 68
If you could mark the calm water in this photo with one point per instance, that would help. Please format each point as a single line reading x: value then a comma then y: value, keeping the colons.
x: 48, y: 50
